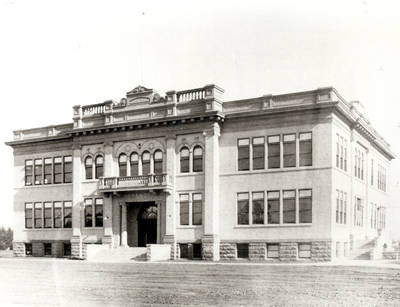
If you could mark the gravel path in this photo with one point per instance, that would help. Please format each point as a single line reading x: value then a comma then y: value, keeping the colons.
x: 48, y: 282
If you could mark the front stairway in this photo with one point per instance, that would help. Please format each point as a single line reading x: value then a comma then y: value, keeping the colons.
x: 120, y: 254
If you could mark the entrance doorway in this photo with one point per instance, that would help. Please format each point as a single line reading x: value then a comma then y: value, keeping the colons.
x: 147, y: 225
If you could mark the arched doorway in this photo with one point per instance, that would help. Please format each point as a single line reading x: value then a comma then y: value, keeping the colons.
x: 147, y: 225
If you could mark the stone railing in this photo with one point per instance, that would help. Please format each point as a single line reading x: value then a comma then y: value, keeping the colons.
x: 190, y: 95
x: 93, y: 109
x: 50, y: 131
x: 125, y: 183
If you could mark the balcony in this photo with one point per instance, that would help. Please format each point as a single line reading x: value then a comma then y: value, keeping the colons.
x: 135, y: 183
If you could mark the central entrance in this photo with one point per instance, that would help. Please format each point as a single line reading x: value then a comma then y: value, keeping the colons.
x: 142, y: 223
x: 147, y: 225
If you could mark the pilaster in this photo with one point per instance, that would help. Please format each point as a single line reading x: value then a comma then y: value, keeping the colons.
x: 170, y: 207
x: 211, y: 198
x: 76, y: 190
x: 124, y: 233
x: 107, y: 206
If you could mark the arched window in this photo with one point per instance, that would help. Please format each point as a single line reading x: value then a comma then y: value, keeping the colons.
x: 88, y: 168
x: 134, y: 164
x: 122, y: 162
x: 99, y: 162
x: 184, y: 158
x: 145, y: 163
x: 197, y: 159
x: 158, y: 161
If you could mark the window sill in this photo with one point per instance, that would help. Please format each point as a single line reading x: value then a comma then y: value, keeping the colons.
x: 189, y: 226
x: 94, y: 228
x: 48, y: 229
x: 275, y: 170
x: 189, y: 174
x: 90, y: 181
x: 273, y: 225
x: 50, y: 185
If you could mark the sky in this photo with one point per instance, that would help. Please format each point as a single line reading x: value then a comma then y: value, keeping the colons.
x: 56, y: 54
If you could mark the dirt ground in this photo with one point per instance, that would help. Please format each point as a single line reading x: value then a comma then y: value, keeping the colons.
x: 48, y: 282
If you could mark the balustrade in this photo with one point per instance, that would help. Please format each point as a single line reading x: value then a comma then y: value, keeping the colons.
x: 134, y: 182
x: 196, y: 94
x: 93, y: 109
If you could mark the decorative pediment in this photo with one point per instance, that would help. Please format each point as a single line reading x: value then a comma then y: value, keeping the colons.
x: 140, y: 90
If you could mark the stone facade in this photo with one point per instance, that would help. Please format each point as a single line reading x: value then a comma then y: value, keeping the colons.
x: 227, y: 251
x: 257, y: 251
x: 156, y: 151
x: 321, y: 251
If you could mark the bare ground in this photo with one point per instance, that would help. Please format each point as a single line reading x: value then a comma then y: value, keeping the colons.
x: 49, y: 282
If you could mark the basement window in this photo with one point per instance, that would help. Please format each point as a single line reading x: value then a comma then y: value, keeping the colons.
x: 242, y: 250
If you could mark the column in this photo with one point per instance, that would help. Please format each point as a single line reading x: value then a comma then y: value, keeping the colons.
x: 108, y: 199
x: 170, y: 211
x: 124, y: 234
x: 76, y: 240
x: 210, y: 240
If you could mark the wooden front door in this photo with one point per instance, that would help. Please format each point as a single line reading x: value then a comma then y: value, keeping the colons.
x: 147, y: 225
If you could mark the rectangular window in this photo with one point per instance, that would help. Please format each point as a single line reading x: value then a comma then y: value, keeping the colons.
x: 305, y: 144
x: 304, y: 250
x: 184, y: 209
x: 258, y: 208
x: 341, y: 153
x: 372, y: 171
x: 345, y: 155
x: 243, y: 208
x: 57, y: 170
x: 196, y: 251
x: 88, y: 212
x: 68, y: 169
x: 272, y: 250
x: 197, y: 205
x: 305, y: 206
x: 184, y: 251
x: 47, y: 249
x: 258, y: 153
x: 28, y: 215
x: 28, y: 172
x: 48, y: 218
x: 67, y: 249
x: 28, y: 249
x: 57, y: 215
x: 289, y: 206
x: 38, y: 215
x: 337, y: 150
x: 242, y: 250
x: 38, y: 171
x: 274, y: 152
x: 289, y: 150
x: 337, y: 206
x: 273, y: 207
x: 243, y: 154
x: 48, y: 170
x: 67, y: 214
x: 98, y: 212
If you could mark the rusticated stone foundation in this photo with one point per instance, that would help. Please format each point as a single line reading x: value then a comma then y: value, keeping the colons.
x: 288, y: 251
x: 19, y: 249
x: 227, y: 251
x: 257, y: 251
x: 321, y: 251
x: 210, y: 248
x: 78, y: 249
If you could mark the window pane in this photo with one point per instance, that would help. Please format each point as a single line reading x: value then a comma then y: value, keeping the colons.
x: 67, y: 169
x: 258, y: 153
x: 158, y: 162
x: 243, y: 208
x: 184, y: 160
x: 146, y: 163
x: 305, y: 206
x: 99, y: 167
x: 289, y: 207
x: 38, y: 171
x: 274, y: 152
x: 243, y: 155
x: 28, y: 215
x: 305, y: 149
x: 198, y: 159
x: 67, y: 214
x: 88, y: 214
x: 99, y: 212
x: 122, y: 165
x: 57, y: 215
x: 289, y: 150
x: 184, y: 212
x: 258, y: 210
x: 57, y: 170
x: 38, y: 215
x: 28, y: 172
x: 196, y: 211
x: 48, y: 218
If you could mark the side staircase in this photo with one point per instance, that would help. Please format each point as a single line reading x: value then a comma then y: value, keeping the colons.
x: 120, y: 254
x: 363, y: 249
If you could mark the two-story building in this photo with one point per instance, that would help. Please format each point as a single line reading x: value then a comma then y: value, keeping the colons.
x: 293, y: 176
